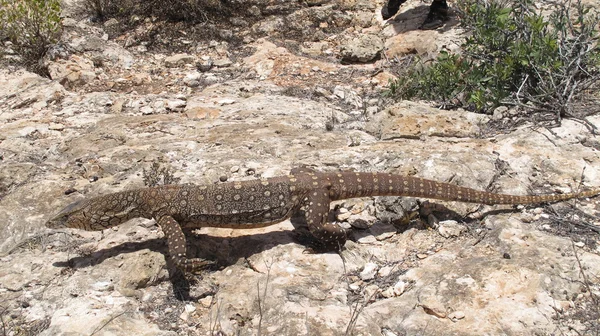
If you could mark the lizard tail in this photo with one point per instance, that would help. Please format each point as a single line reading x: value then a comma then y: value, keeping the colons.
x: 348, y: 185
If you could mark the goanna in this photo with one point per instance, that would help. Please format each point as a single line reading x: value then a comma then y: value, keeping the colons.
x: 263, y: 202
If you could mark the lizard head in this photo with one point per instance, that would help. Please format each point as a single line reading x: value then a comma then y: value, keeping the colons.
x: 96, y: 213
x: 72, y: 216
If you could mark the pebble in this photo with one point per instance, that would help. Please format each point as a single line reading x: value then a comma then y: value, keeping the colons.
x: 385, y: 271
x: 369, y: 271
x: 226, y: 101
x: 206, y: 301
x: 56, y: 127
x: 103, y: 286
x: 176, y: 104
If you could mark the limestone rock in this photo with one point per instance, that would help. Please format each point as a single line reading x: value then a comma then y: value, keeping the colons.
x: 179, y: 60
x: 364, y: 48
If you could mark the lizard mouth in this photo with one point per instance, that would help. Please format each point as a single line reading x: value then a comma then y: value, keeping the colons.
x: 60, y: 220
x: 57, y: 222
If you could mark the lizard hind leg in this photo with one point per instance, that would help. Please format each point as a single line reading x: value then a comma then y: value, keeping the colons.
x: 177, y: 250
x: 331, y: 236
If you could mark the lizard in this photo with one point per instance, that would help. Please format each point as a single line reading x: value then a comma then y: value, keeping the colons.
x: 266, y: 201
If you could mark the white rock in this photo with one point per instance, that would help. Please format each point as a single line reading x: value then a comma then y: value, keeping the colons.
x: 369, y: 271
x: 226, y: 101
x: 450, y: 228
x: 103, y: 286
x: 176, y: 104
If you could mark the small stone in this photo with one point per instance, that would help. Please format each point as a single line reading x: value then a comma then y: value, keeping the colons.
x: 234, y: 169
x: 499, y: 112
x: 450, y: 228
x: 147, y: 297
x: 342, y: 216
x: 355, y: 285
x: 579, y: 244
x: 179, y: 60
x: 56, y: 127
x: 204, y: 65
x: 223, y: 63
x: 226, y: 101
x: 146, y: 110
x: 385, y: 271
x: 399, y: 288
x: 206, y: 302
x: 422, y: 255
x: 103, y: 286
x: 210, y: 79
x: 371, y: 292
x: 176, y: 104
x: 396, y: 290
x: 192, y: 79
x: 369, y: 271
x: 189, y: 308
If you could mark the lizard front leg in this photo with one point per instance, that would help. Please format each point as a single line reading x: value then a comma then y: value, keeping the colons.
x: 177, y: 250
x: 317, y: 210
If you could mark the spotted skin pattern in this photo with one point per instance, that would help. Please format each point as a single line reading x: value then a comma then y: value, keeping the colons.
x: 262, y: 202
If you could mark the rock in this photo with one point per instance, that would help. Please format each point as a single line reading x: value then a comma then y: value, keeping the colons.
x: 223, y: 62
x: 112, y: 27
x: 141, y: 269
x: 73, y: 72
x: 499, y: 112
x: 226, y: 101
x: 409, y: 121
x: 451, y: 228
x: 364, y: 48
x: 369, y: 271
x: 179, y: 60
x: 206, y: 301
x: 103, y: 286
x: 205, y: 64
x: 420, y: 42
x: 396, y: 290
x: 176, y: 104
x: 198, y: 113
x: 192, y: 79
x: 370, y: 293
x: 362, y: 221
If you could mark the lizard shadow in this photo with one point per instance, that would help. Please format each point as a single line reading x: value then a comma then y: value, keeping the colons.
x: 224, y: 251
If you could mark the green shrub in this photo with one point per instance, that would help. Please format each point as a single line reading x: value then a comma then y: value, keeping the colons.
x: 512, y: 56
x: 32, y: 26
x: 192, y: 11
